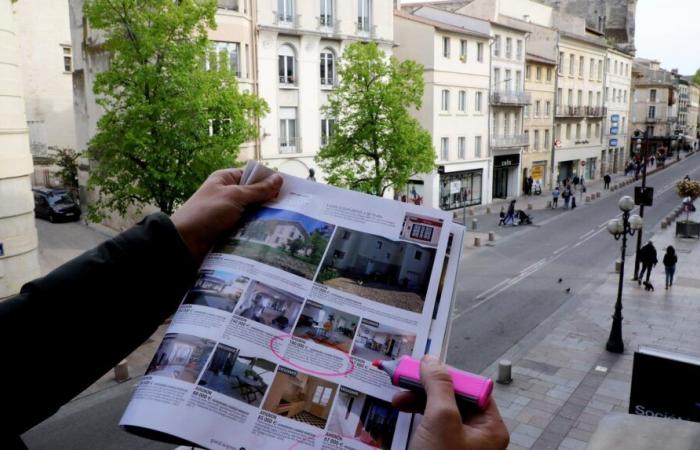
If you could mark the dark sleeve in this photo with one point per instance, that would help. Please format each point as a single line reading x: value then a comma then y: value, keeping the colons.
x: 67, y: 329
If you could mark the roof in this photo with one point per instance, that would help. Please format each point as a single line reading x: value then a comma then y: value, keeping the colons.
x: 539, y: 59
x: 589, y: 40
x: 448, y: 21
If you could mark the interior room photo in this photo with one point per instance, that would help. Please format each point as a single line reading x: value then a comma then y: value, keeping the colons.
x: 327, y: 326
x: 217, y: 289
x: 377, y: 341
x: 270, y: 306
x: 180, y: 356
x: 370, y: 420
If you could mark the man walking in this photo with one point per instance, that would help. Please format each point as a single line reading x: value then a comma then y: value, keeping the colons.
x: 647, y: 257
x: 567, y: 197
x: 606, y: 181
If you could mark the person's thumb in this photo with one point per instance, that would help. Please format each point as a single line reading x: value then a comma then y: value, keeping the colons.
x: 441, y: 404
x: 259, y: 192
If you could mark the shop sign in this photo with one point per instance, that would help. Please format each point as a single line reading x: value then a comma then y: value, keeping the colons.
x: 613, y: 143
x: 506, y: 161
x: 615, y: 118
x: 614, y: 130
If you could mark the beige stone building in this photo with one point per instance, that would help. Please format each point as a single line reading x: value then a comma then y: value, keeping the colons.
x: 540, y: 77
x: 618, y: 100
x: 18, y: 238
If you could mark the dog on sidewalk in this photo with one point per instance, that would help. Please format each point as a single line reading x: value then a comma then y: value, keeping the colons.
x: 648, y: 286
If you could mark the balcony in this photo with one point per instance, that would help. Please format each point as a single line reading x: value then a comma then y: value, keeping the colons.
x: 509, y: 141
x: 364, y: 29
x: 290, y: 145
x: 327, y: 24
x: 286, y: 20
x: 651, y: 120
x: 517, y: 98
x: 580, y: 111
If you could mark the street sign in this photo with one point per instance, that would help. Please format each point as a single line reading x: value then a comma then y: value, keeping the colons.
x: 677, y: 398
x: 583, y: 162
x: 615, y: 118
x: 613, y: 142
x: 614, y: 130
x: 643, y: 196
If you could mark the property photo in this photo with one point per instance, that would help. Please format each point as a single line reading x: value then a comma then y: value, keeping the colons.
x: 377, y: 341
x: 369, y: 420
x: 327, y: 326
x: 217, y: 289
x: 284, y: 239
x: 180, y: 356
x: 421, y: 230
x: 270, y: 306
x: 395, y: 273
x: 244, y: 378
x: 301, y: 397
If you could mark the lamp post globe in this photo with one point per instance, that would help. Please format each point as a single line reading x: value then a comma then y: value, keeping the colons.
x: 636, y: 222
x: 626, y: 204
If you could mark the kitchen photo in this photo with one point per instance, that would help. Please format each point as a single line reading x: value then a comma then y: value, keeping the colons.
x: 180, y: 356
x: 270, y: 306
x: 327, y: 326
x: 300, y: 397
x: 378, y: 341
x: 217, y: 289
x: 245, y: 378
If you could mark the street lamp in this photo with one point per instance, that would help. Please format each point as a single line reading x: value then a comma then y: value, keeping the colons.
x: 621, y: 228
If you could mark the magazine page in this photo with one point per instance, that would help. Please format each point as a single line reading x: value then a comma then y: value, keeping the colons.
x: 272, y: 346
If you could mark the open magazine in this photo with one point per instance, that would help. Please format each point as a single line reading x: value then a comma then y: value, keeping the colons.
x: 272, y: 346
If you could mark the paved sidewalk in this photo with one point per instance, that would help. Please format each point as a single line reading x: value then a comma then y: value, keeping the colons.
x: 564, y: 381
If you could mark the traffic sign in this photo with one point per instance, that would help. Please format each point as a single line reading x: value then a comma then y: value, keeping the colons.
x: 615, y: 118
x: 557, y: 144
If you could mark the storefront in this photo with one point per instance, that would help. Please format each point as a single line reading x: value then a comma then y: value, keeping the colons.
x: 460, y: 189
x: 414, y: 192
x: 505, y: 176
x: 539, y: 172
x: 589, y: 170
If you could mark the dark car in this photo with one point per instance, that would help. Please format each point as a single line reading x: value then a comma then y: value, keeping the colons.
x: 55, y: 205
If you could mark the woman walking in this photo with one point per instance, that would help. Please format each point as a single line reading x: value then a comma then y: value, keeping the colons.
x: 670, y: 260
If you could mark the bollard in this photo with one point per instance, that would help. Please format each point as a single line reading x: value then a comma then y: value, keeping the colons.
x: 121, y: 371
x: 597, y: 195
x: 488, y: 210
x: 474, y: 223
x: 504, y: 372
x: 618, y: 265
x: 588, y: 199
x: 529, y: 206
x: 492, y: 236
x: 477, y: 242
x: 664, y: 224
x: 549, y: 204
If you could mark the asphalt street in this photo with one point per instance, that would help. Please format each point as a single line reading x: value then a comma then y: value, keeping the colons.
x: 506, y: 290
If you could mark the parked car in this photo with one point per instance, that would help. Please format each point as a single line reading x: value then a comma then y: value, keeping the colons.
x: 55, y: 205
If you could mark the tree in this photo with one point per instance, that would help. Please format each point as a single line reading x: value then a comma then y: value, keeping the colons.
x: 688, y: 189
x: 696, y: 77
x: 67, y: 160
x: 375, y: 143
x: 154, y: 143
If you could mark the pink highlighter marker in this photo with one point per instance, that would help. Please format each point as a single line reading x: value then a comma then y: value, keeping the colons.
x: 470, y: 390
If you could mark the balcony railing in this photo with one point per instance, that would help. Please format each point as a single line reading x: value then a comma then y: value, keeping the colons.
x: 367, y: 30
x: 651, y: 120
x: 290, y: 145
x: 327, y: 24
x: 286, y: 20
x: 510, y: 98
x: 580, y: 111
x: 508, y: 141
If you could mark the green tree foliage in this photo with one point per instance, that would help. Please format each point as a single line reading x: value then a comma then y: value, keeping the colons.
x: 294, y: 245
x: 153, y: 144
x: 67, y: 161
x: 696, y: 78
x: 376, y: 144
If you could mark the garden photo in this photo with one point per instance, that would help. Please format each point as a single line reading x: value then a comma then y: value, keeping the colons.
x: 395, y: 273
x: 327, y: 326
x: 270, y: 306
x: 280, y: 238
x: 180, y: 356
x: 378, y: 341
x: 217, y: 289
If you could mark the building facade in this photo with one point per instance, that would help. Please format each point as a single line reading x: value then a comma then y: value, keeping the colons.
x: 618, y: 99
x: 453, y: 50
x: 693, y: 112
x: 540, y: 77
x: 654, y: 106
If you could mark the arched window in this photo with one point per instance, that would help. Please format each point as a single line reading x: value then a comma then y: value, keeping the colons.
x: 327, y: 67
x: 287, y: 65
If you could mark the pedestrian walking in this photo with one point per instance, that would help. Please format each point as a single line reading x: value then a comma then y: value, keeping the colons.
x: 567, y: 197
x: 312, y: 175
x: 670, y: 260
x: 530, y: 181
x: 510, y: 215
x: 576, y: 181
x: 606, y: 181
x: 555, y: 197
x: 647, y: 257
x: 573, y: 201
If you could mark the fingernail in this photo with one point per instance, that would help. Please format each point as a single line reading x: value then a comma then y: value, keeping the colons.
x: 430, y: 360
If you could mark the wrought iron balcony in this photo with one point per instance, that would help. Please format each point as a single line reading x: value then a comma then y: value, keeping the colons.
x: 506, y: 97
x: 580, y: 111
x: 286, y: 20
x: 327, y: 24
x: 290, y: 145
x: 652, y: 120
x: 509, y: 141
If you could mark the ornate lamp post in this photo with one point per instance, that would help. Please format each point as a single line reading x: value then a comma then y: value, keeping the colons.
x: 621, y: 228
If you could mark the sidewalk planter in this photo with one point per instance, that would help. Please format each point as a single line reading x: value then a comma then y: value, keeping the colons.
x: 688, y: 229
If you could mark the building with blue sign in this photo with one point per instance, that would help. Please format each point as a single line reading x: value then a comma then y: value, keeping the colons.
x: 618, y: 99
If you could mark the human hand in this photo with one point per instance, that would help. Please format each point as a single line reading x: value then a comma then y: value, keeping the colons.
x: 442, y: 425
x: 216, y: 207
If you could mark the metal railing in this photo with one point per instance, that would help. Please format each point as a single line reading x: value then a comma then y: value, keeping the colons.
x: 290, y: 145
x: 652, y: 120
x: 580, y: 111
x: 506, y: 97
x: 365, y: 29
x: 511, y: 140
x: 286, y: 20
x: 327, y: 24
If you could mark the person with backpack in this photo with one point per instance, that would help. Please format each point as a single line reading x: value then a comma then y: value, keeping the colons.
x: 606, y: 180
x: 670, y: 260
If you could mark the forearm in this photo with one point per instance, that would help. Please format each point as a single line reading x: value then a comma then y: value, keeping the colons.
x: 64, y: 331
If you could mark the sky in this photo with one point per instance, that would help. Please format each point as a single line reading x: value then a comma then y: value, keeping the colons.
x: 669, y: 31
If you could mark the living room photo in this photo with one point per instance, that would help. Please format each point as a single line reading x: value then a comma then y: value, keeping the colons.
x: 327, y: 326
x: 378, y: 341
x: 269, y: 306
x: 180, y: 356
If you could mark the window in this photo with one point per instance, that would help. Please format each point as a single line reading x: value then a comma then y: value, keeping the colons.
x: 322, y: 395
x: 219, y: 127
x: 231, y: 5
x: 327, y: 68
x: 477, y: 101
x: 581, y: 63
x: 589, y: 128
x: 537, y: 108
x: 506, y: 124
x: 548, y: 109
x: 497, y: 45
x: 546, y: 140
x: 288, y: 130
x: 364, y: 15
x: 422, y: 232
x: 558, y: 131
x: 477, y: 146
x: 578, y: 131
x: 597, y: 98
x: 526, y: 111
x: 285, y: 11
x: 597, y: 130
x: 570, y: 97
x: 623, y: 123
x: 480, y: 51
x: 508, y: 80
x: 225, y: 55
x: 590, y: 98
x: 287, y: 63
x: 536, y: 145
x: 561, y: 62
x: 568, y: 131
x: 519, y: 50
x: 379, y: 245
x: 462, y: 101
x: 326, y: 131
x: 418, y: 255
x: 538, y: 73
x: 462, y: 147
x: 600, y: 70
x: 518, y: 80
x: 445, y: 46
x: 445, y: 104
x: 650, y: 131
x: 549, y: 74
x: 463, y: 50
x: 608, y: 69
x: 624, y: 96
x: 572, y: 62
x: 247, y: 61
x: 346, y: 235
x: 615, y: 70
x: 528, y: 72
x: 497, y: 78
x: 527, y: 138
x: 591, y: 69
x: 579, y: 98
x: 445, y: 148
x: 327, y: 12
x: 67, y: 58
x: 652, y: 112
x: 560, y: 96
x: 652, y: 95
x: 509, y: 48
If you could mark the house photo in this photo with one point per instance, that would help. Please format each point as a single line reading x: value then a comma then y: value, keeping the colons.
x: 280, y: 238
x: 217, y: 289
x: 421, y: 230
x: 327, y: 326
x: 244, y: 378
x: 300, y: 397
x: 180, y: 356
x: 369, y: 420
x: 395, y: 273
x: 377, y: 341
x: 270, y: 306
